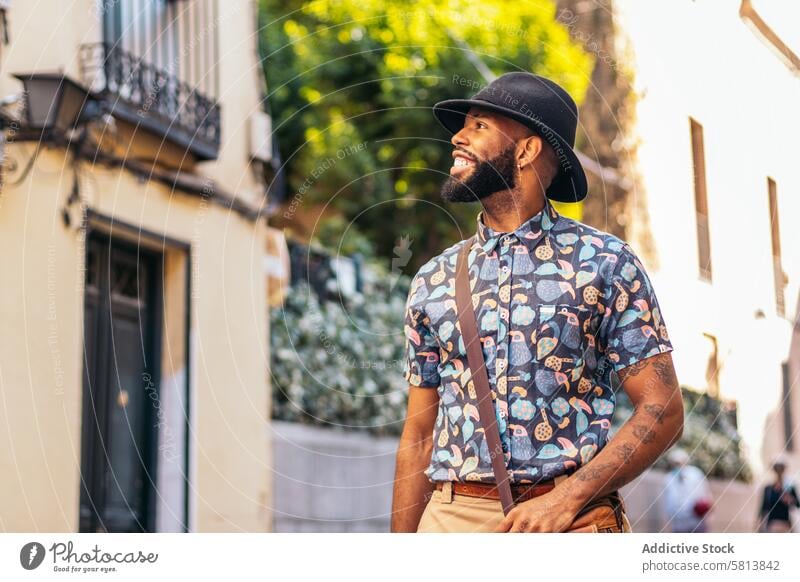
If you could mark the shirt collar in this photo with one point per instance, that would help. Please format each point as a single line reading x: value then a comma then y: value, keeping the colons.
x: 529, y: 232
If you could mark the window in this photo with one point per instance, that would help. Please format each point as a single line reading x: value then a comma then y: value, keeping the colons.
x: 786, y: 405
x: 177, y: 37
x: 4, y: 6
x: 701, y: 200
x: 712, y: 368
x: 157, y: 69
x: 777, y: 264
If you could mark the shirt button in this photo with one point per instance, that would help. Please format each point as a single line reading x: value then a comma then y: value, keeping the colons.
x: 505, y: 268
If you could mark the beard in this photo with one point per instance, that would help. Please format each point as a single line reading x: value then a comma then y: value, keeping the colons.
x: 486, y: 178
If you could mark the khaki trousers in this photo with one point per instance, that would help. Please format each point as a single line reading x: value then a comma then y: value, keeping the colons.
x: 447, y: 512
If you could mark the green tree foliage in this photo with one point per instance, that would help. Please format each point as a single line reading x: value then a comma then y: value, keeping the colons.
x: 351, y: 84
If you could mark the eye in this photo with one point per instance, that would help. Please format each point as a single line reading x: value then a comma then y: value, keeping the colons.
x: 482, y: 125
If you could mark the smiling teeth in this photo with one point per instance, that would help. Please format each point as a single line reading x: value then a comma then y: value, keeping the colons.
x: 461, y: 162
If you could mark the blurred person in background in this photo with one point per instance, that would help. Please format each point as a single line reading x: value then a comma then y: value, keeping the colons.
x: 776, y: 502
x: 687, y: 496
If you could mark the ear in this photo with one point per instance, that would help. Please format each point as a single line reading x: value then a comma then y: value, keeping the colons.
x: 529, y: 149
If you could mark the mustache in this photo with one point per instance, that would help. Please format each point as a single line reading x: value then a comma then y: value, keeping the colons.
x: 466, y: 153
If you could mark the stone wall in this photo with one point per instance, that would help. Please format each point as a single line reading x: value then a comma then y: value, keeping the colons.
x: 330, y: 480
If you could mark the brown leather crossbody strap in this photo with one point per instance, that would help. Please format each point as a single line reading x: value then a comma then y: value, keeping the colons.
x: 477, y: 366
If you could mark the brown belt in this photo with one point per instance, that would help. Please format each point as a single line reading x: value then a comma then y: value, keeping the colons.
x: 523, y: 492
x: 520, y: 491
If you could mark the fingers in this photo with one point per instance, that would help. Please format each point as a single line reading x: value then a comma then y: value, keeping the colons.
x: 526, y: 522
x: 521, y: 523
x: 506, y: 524
x: 521, y: 526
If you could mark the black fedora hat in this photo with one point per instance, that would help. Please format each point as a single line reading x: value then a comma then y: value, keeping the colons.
x: 540, y: 104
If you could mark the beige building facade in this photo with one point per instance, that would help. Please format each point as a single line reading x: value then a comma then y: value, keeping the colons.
x: 134, y: 392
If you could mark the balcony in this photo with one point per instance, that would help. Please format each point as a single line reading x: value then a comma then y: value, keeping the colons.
x: 152, y: 99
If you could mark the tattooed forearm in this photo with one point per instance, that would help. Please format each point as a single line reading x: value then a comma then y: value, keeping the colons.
x: 656, y: 411
x: 624, y: 452
x: 656, y: 423
x: 615, y: 466
x: 593, y: 472
x: 611, y: 474
x: 618, y: 479
x: 644, y: 434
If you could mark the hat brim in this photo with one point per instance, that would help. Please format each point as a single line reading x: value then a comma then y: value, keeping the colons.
x: 569, y: 185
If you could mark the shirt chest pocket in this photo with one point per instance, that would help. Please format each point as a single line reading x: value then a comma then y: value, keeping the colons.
x: 560, y: 345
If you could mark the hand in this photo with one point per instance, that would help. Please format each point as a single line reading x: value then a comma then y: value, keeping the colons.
x: 551, y: 512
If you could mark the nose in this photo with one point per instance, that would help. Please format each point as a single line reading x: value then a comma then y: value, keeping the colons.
x: 459, y: 138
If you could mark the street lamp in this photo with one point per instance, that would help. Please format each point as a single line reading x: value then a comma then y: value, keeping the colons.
x: 53, y: 102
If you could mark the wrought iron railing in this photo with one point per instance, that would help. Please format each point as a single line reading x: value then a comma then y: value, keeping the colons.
x: 154, y: 97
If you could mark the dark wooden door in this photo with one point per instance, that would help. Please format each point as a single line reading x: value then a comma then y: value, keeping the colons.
x: 121, y: 395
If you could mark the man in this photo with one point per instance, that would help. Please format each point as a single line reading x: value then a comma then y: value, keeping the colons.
x: 777, y: 500
x: 687, y: 495
x: 559, y: 306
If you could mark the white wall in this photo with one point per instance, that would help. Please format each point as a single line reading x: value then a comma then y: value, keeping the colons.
x: 330, y: 480
x: 701, y: 60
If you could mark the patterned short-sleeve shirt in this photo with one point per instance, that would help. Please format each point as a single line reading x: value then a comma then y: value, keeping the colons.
x: 559, y: 305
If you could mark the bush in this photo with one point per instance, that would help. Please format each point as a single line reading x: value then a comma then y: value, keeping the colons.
x: 341, y: 362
